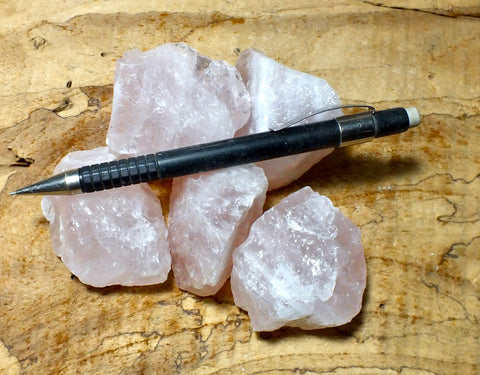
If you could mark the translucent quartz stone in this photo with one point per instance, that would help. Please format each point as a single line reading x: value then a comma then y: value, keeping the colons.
x: 110, y: 237
x: 210, y: 215
x: 171, y: 97
x: 279, y: 95
x: 302, y: 266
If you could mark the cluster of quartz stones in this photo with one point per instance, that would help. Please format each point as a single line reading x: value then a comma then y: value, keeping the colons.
x: 300, y: 263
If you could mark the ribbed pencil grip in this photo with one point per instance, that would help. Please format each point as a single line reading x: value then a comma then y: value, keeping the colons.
x: 118, y: 173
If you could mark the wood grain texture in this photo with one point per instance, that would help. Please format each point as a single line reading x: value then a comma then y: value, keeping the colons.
x: 415, y: 196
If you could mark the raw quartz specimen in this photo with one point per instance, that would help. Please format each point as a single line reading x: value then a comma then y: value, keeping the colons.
x: 110, y: 237
x: 280, y: 94
x: 301, y: 266
x: 172, y: 97
x: 210, y: 215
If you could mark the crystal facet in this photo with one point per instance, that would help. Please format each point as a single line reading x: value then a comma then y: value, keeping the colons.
x: 280, y: 94
x: 110, y: 237
x: 210, y: 215
x: 302, y: 266
x: 172, y: 97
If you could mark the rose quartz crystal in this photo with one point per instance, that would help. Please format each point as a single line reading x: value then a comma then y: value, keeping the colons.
x: 172, y: 97
x: 110, y: 237
x: 301, y: 266
x: 279, y: 95
x: 210, y: 215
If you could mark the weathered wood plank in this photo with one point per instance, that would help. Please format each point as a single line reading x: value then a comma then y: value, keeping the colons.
x: 415, y: 196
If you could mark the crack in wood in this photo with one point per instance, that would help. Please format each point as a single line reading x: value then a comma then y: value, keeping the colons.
x: 146, y: 335
x: 475, y: 217
x: 325, y: 370
x: 446, y: 13
x: 450, y: 253
x: 141, y: 356
x: 472, y: 318
x: 63, y: 106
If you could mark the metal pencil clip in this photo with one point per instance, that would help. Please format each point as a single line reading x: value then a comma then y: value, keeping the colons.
x: 371, y: 111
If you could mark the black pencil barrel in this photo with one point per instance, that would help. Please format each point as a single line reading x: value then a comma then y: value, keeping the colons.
x: 342, y: 131
x: 210, y: 156
x: 243, y: 150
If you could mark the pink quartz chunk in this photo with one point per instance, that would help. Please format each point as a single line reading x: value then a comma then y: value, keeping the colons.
x: 279, y: 95
x: 171, y: 97
x: 210, y: 215
x: 110, y: 237
x: 301, y: 266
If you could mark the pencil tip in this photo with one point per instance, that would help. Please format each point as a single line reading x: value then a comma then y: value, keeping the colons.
x: 21, y: 191
x: 28, y: 190
x: 64, y: 183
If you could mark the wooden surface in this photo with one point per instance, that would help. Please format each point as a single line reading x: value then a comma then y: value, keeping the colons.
x: 415, y: 196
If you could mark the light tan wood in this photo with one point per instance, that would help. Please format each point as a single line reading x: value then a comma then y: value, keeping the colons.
x: 415, y: 196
